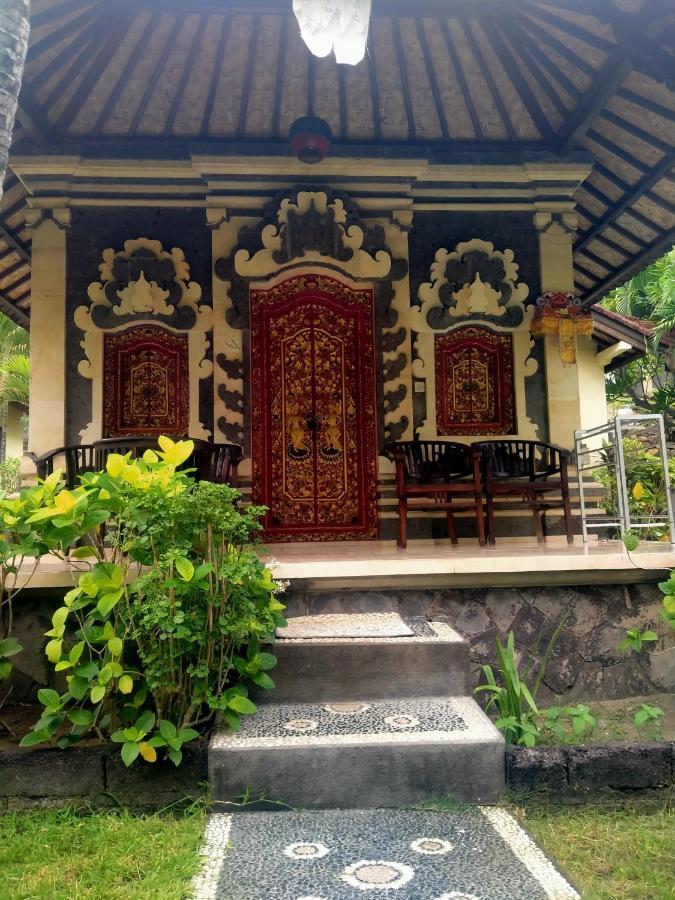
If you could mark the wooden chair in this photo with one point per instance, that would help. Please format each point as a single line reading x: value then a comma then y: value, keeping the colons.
x: 527, y: 472
x: 442, y: 471
x: 213, y: 462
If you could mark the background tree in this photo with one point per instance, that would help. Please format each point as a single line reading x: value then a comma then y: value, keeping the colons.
x: 14, y: 31
x: 648, y: 383
x: 14, y: 371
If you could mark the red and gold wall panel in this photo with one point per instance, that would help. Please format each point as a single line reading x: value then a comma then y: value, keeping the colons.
x: 313, y: 415
x: 474, y: 382
x: 146, y: 385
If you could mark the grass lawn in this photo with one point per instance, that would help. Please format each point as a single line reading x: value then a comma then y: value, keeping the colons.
x: 613, y: 849
x: 111, y: 855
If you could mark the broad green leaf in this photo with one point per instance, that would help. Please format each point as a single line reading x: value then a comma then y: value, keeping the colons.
x: 81, y: 716
x: 49, y: 698
x: 76, y: 652
x: 631, y: 541
x: 10, y: 647
x: 167, y: 729
x: 34, y: 737
x: 188, y: 734
x: 97, y: 693
x: 82, y: 553
x: 242, y: 705
x: 266, y: 661
x: 108, y: 602
x: 129, y: 752
x: 176, y: 756
x: 87, y: 669
x: 185, y: 568
x: 145, y: 722
x: 263, y: 681
x: 78, y: 687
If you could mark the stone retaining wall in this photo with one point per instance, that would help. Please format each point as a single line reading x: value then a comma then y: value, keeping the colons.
x: 96, y: 775
x: 586, y: 662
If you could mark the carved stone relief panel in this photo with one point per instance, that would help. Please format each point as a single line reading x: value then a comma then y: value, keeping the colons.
x: 472, y: 345
x: 143, y: 284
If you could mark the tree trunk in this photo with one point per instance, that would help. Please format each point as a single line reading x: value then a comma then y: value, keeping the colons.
x: 14, y: 30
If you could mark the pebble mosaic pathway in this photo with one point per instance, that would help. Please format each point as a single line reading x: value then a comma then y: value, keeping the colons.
x: 469, y: 854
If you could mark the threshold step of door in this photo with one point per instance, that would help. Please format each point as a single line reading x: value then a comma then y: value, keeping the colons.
x: 355, y: 656
x: 360, y: 754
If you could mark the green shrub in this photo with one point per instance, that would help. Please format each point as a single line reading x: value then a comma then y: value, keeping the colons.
x: 167, y: 623
x: 10, y: 470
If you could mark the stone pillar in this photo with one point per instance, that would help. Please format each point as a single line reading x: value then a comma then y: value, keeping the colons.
x: 575, y: 394
x: 47, y: 409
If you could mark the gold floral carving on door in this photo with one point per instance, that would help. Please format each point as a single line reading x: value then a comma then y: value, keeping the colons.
x: 313, y: 430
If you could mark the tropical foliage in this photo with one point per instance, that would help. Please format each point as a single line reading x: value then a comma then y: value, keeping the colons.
x: 648, y: 383
x: 172, y: 614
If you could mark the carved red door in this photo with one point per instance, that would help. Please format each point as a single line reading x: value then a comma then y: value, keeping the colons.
x: 313, y: 430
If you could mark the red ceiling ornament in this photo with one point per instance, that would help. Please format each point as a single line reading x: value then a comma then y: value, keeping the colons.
x: 310, y: 139
x: 562, y: 314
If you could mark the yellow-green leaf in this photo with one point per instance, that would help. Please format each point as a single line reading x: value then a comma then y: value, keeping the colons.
x: 185, y: 568
x: 125, y: 684
x: 53, y: 650
x: 115, y: 646
x: 64, y: 501
x: 97, y: 693
x: 82, y: 553
x: 115, y: 464
x: 150, y: 456
x: 638, y: 491
x: 104, y: 494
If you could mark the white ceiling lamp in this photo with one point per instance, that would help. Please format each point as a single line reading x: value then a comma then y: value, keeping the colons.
x: 334, y: 25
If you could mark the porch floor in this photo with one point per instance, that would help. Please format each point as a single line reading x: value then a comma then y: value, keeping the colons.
x: 437, y: 563
x: 362, y: 565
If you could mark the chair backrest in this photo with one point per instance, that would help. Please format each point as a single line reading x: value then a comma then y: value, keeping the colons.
x: 432, y: 459
x: 217, y: 462
x: 521, y: 459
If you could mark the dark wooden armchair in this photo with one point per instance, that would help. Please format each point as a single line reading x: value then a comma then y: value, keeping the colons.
x: 437, y: 471
x: 212, y: 462
x: 526, y: 473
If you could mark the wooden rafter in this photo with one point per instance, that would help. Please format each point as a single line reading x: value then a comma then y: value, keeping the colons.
x: 431, y: 74
x: 215, y: 76
x: 248, y: 74
x: 37, y: 20
x: 487, y: 75
x: 527, y: 96
x: 169, y: 45
x: 568, y: 27
x: 18, y: 316
x: 459, y: 72
x: 644, y: 184
x: 542, y: 34
x: 405, y: 81
x: 8, y: 236
x: 66, y: 30
x: 611, y: 76
x: 374, y: 94
x: 657, y: 248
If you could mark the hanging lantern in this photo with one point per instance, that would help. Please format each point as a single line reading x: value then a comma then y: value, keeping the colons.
x: 310, y: 139
x: 339, y: 25
x: 562, y: 314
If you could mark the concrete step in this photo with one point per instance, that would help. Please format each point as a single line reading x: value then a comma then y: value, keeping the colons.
x: 382, y: 753
x: 324, y: 658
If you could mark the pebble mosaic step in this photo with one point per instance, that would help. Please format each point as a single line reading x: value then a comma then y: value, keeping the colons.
x: 354, y: 754
x: 324, y: 658
x: 468, y: 854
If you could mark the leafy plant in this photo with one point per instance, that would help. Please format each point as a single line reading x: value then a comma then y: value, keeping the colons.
x: 166, y: 625
x: 635, y: 639
x: 511, y: 697
x: 648, y: 715
x: 10, y: 470
x: 567, y: 723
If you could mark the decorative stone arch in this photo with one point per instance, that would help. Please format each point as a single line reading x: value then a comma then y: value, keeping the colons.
x: 472, y: 285
x: 309, y: 231
x: 143, y: 284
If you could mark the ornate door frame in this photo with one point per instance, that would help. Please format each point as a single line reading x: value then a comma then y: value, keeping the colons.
x: 291, y: 467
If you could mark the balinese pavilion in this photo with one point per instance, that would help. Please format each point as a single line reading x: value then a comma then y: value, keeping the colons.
x: 210, y: 231
x: 356, y: 261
